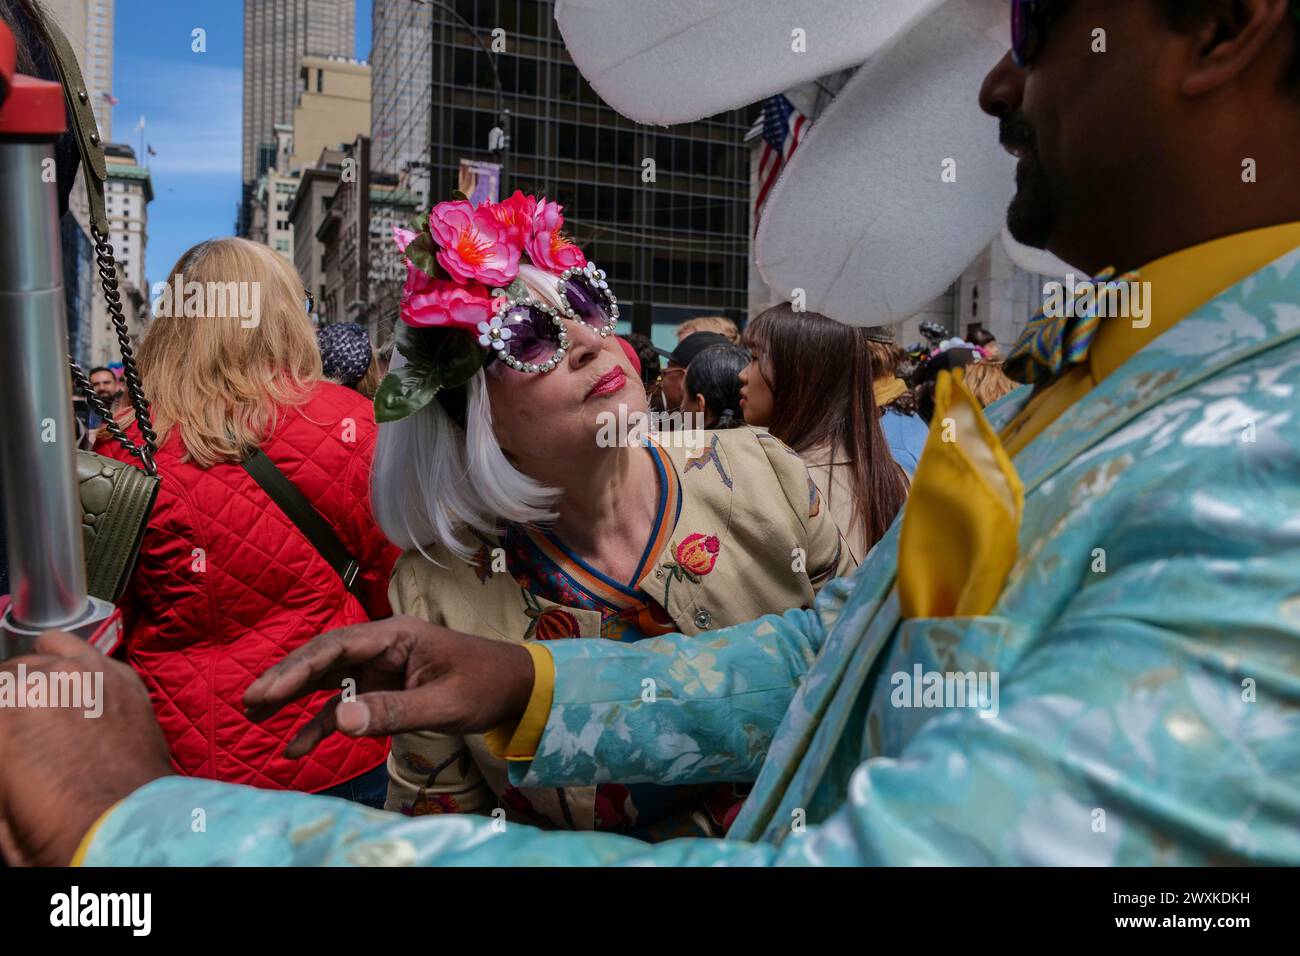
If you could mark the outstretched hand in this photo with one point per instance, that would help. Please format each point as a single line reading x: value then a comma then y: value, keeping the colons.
x: 408, y: 675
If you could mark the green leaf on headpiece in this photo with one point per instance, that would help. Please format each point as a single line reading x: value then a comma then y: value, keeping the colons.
x: 404, y: 392
x: 436, y: 358
x: 459, y: 358
x: 419, y: 222
x: 421, y: 254
x: 459, y: 196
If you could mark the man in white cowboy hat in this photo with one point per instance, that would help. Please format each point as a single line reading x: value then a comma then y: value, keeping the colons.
x: 1080, y: 644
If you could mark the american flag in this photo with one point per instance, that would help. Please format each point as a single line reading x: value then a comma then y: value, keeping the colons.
x: 783, y: 129
x: 109, y: 98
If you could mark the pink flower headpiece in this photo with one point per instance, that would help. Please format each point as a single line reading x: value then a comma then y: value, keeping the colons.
x: 459, y: 251
x: 462, y: 269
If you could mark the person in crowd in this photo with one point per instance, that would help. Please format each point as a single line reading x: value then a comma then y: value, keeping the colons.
x: 987, y: 343
x: 987, y: 382
x: 905, y: 431
x: 226, y: 581
x: 105, y: 385
x: 951, y: 355
x: 1158, y: 689
x: 347, y: 357
x: 713, y: 386
x: 673, y: 383
x: 719, y: 324
x: 809, y: 383
x: 527, y: 517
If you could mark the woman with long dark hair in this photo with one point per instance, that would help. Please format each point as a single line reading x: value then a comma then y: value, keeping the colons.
x: 809, y: 383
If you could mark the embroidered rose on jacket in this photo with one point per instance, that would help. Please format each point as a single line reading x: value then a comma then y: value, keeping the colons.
x: 549, y: 623
x: 555, y: 624
x: 547, y: 246
x: 430, y: 803
x: 473, y: 245
x: 694, y: 558
x: 697, y: 554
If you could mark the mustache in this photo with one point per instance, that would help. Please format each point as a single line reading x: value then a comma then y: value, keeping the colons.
x: 1015, y: 130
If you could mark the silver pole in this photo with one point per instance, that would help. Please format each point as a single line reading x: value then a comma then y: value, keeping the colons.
x: 37, y: 431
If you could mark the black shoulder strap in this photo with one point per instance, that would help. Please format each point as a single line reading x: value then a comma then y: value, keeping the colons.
x: 93, y: 168
x: 300, y: 511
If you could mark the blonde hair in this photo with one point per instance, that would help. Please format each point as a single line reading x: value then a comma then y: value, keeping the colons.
x: 710, y: 323
x: 223, y: 378
x: 987, y: 382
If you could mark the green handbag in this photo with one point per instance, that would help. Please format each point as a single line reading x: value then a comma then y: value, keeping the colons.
x: 116, y: 497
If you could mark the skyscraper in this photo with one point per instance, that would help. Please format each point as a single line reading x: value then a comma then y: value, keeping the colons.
x: 664, y: 210
x: 277, y: 35
x: 89, y: 28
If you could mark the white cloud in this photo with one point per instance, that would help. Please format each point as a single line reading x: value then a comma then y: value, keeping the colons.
x: 193, y: 116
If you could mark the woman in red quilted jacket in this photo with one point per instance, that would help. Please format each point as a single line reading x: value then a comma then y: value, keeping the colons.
x: 226, y: 584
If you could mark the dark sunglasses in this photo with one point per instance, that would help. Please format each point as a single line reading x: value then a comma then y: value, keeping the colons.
x: 1029, y: 22
x: 1031, y: 18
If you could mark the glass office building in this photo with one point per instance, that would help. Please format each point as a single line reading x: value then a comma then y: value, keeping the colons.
x: 675, y: 246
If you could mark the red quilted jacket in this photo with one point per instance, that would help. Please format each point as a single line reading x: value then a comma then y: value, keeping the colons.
x: 226, y: 585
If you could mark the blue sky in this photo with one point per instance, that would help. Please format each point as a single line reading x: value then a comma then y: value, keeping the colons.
x: 193, y: 109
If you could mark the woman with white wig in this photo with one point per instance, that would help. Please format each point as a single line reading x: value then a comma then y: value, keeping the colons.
x: 514, y: 467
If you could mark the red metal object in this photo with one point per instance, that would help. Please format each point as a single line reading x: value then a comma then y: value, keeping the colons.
x: 8, y: 59
x: 28, y: 106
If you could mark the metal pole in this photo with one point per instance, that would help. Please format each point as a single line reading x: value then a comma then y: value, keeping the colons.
x: 37, y: 469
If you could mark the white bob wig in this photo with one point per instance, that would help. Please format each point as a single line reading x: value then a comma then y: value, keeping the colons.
x: 432, y: 483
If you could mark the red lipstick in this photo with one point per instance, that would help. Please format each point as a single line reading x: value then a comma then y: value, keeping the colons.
x: 609, y: 383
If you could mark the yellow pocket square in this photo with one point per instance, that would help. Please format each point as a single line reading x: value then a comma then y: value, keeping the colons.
x: 962, y: 522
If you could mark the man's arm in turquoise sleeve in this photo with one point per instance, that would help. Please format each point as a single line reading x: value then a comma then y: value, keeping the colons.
x: 676, y: 709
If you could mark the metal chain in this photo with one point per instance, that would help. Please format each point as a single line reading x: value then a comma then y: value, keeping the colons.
x: 149, y: 447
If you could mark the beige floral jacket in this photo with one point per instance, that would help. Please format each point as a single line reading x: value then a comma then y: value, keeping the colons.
x: 776, y: 545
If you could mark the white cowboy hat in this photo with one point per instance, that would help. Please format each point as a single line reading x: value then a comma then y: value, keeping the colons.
x: 862, y: 219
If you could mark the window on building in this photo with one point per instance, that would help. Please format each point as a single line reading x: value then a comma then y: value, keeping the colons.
x: 567, y: 82
x: 567, y: 141
x: 524, y: 136
x: 530, y: 18
x: 587, y: 143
